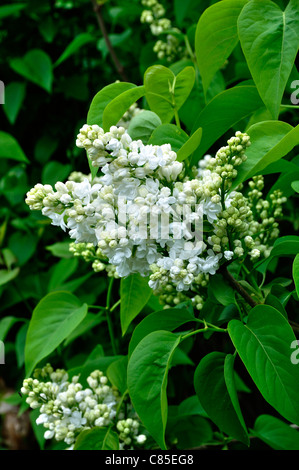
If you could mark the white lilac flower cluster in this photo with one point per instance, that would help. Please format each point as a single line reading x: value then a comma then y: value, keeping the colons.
x: 66, y: 408
x: 109, y: 213
x: 170, y: 48
x: 144, y: 215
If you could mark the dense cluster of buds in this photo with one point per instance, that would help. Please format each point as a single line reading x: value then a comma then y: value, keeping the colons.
x: 93, y: 254
x: 169, y: 47
x: 66, y: 408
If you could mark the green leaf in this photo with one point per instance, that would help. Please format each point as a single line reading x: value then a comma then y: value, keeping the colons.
x: 143, y: 124
x: 74, y: 284
x: 89, y: 321
x: 103, y: 98
x: 181, y: 10
x: 191, y: 406
x: 14, y: 97
x: 273, y: 301
x: 8, y: 10
x: 230, y: 382
x: 44, y: 148
x: 9, y: 148
x: 76, y: 44
x: 115, y: 39
x: 147, y: 381
x: 6, y: 276
x: 221, y: 290
x: 216, y: 37
x: 180, y: 357
x: 169, y: 134
x: 283, y: 182
x: 53, y: 319
x: 192, y: 431
x: 215, y: 388
x: 168, y: 319
x: 276, y: 433
x: 165, y: 92
x: 283, y: 246
x: 184, y: 82
x: 55, y: 171
x: 264, y: 347
x: 215, y: 122
x: 296, y: 273
x: 190, y: 146
x: 115, y: 110
x: 92, y: 362
x: 269, y: 39
x: 23, y: 245
x: 295, y: 186
x: 61, y: 272
x: 117, y: 374
x: 97, y: 439
x: 20, y: 344
x: 48, y: 28
x: 5, y: 325
x: 134, y: 293
x: 60, y: 249
x: 39, y: 431
x: 158, y: 80
x: 36, y: 66
x: 270, y: 141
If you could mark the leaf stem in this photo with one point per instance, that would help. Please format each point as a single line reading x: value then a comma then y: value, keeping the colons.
x: 189, y: 50
x: 109, y: 293
x: 108, y: 317
x: 177, y: 119
x: 98, y: 307
x: 289, y: 106
x: 121, y: 402
x: 212, y: 327
x: 115, y: 305
x: 201, y: 330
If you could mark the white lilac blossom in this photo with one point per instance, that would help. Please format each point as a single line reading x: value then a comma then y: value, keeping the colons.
x: 66, y: 408
x: 143, y: 215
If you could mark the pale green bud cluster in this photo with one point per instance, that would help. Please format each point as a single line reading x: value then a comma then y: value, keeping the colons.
x: 38, y: 194
x: 170, y: 297
x: 170, y: 48
x: 79, y: 177
x: 198, y: 302
x: 128, y: 431
x: 264, y: 227
x: 93, y: 254
x: 66, y: 408
x: 228, y: 158
x: 202, y: 280
x: 153, y: 16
